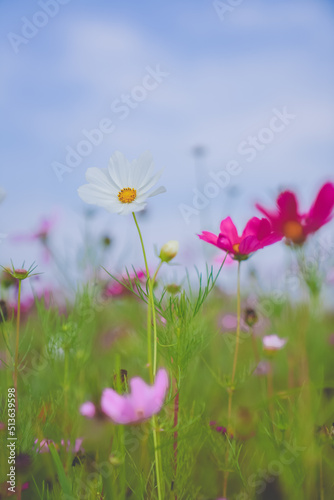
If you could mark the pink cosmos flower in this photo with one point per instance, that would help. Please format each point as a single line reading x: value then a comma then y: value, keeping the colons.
x: 273, y: 343
x: 41, y: 234
x: 295, y: 226
x: 141, y: 403
x: 220, y: 259
x: 88, y: 409
x: 262, y: 368
x: 257, y: 234
x: 77, y: 446
x: 115, y: 289
x: 43, y: 446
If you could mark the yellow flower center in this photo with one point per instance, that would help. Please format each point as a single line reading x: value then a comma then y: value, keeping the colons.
x: 293, y: 230
x: 127, y: 195
x: 236, y: 248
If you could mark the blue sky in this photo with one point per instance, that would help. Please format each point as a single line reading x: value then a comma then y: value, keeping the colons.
x: 225, y: 78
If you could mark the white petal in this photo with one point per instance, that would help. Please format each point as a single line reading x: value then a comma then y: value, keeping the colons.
x: 101, y: 178
x: 94, y: 195
x: 150, y: 183
x: 128, y: 208
x: 160, y: 190
x: 143, y: 169
x: 119, y: 170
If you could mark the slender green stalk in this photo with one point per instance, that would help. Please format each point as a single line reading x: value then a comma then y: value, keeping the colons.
x: 17, y: 342
x: 254, y: 345
x: 121, y: 434
x: 321, y: 473
x: 156, y: 272
x: 236, y: 349
x: 231, y: 389
x: 270, y: 393
x: 151, y: 316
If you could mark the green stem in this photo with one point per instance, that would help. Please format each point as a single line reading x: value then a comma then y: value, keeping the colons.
x: 16, y: 367
x: 156, y: 272
x: 231, y: 389
x: 236, y: 347
x: 151, y: 316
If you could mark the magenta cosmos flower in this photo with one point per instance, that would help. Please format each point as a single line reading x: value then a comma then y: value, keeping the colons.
x: 257, y: 234
x: 295, y: 226
x: 141, y: 403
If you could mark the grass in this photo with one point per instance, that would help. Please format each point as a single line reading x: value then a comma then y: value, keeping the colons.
x: 279, y: 443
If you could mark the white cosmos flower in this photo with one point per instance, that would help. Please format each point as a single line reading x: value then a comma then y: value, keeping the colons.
x: 124, y: 186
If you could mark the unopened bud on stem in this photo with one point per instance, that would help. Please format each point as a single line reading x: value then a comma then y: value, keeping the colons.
x: 169, y: 250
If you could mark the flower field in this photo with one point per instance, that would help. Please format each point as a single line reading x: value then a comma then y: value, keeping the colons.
x: 141, y: 389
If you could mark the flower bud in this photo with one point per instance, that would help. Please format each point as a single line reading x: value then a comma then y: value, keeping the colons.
x: 20, y: 274
x: 173, y: 288
x: 169, y: 251
x: 250, y: 317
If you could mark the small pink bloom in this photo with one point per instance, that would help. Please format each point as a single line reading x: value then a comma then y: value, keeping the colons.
x: 263, y: 368
x: 230, y: 321
x: 295, y: 226
x: 77, y: 445
x: 141, y: 403
x: 43, y: 445
x: 273, y: 343
x: 88, y: 409
x: 257, y: 234
x: 220, y: 259
x: 115, y: 289
x: 41, y: 233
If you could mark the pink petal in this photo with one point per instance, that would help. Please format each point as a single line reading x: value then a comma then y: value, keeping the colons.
x: 77, y: 446
x: 225, y: 244
x: 141, y: 394
x: 228, y: 229
x: 208, y: 237
x: 288, y: 206
x: 112, y: 404
x: 249, y: 245
x: 320, y: 212
x: 252, y: 227
x: 263, y: 229
x: 270, y: 215
x: 88, y: 409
